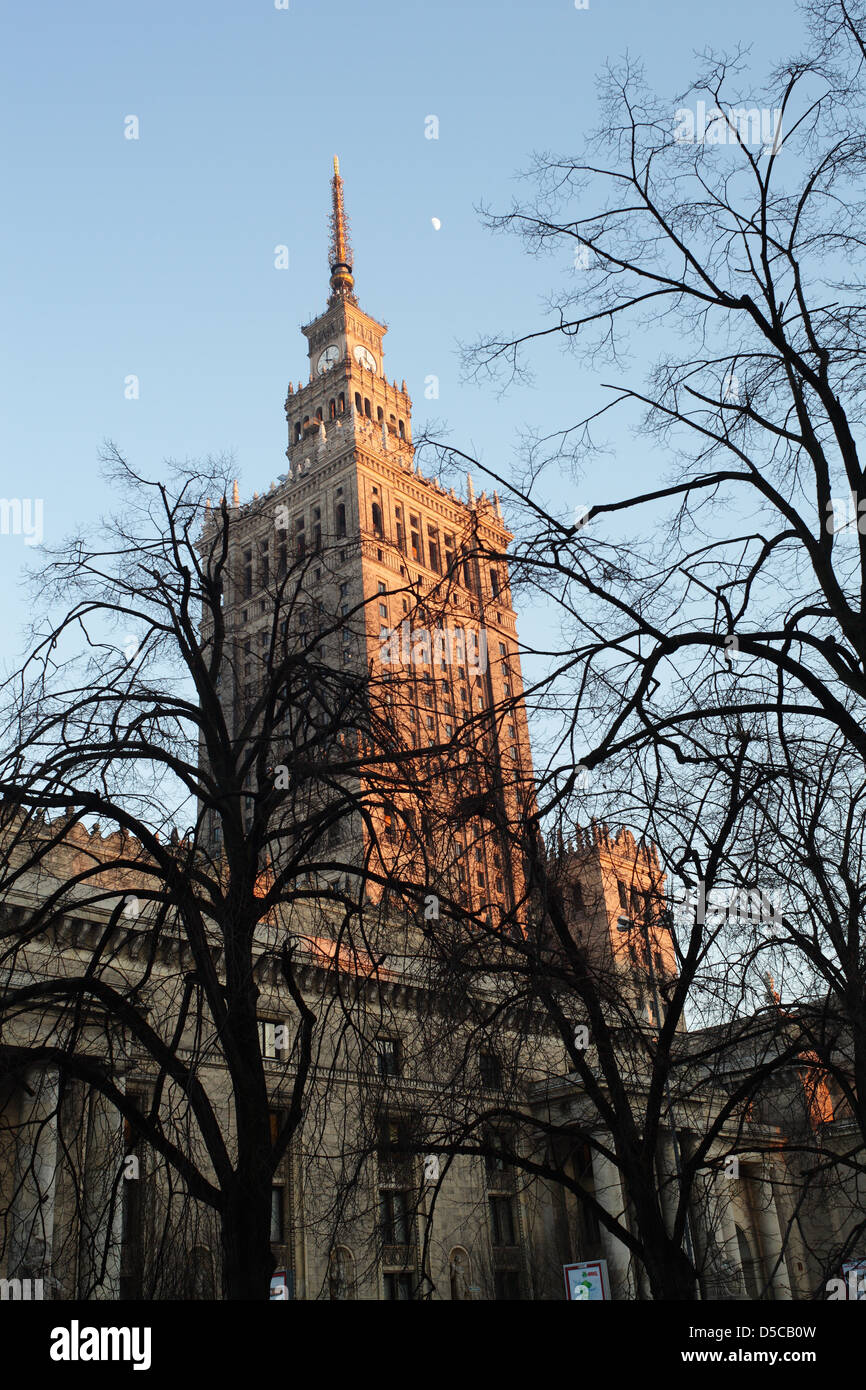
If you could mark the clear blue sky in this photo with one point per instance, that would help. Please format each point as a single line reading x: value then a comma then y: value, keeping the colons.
x: 155, y: 257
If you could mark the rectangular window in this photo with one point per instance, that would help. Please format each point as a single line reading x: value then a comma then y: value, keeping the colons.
x: 623, y: 895
x: 265, y: 565
x: 501, y: 1220
x: 415, y: 536
x: 269, y: 1037
x: 395, y: 1222
x: 433, y: 548
x: 398, y: 1288
x: 248, y: 573
x: 300, y: 538
x: 506, y: 1285
x: 388, y: 1056
x: 277, y: 1222
x: 491, y: 1071
x: 401, y: 530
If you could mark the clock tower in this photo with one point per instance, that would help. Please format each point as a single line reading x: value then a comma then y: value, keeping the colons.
x: 389, y: 576
x: 347, y: 376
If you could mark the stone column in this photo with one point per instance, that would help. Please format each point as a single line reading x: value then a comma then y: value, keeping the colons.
x: 31, y: 1215
x: 608, y: 1192
x: 102, y: 1216
x: 771, y: 1234
x: 726, y: 1237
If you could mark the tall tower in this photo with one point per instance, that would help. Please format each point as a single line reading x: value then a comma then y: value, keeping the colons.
x: 411, y: 583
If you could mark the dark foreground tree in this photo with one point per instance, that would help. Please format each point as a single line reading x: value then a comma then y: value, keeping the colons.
x: 181, y: 823
x: 705, y: 677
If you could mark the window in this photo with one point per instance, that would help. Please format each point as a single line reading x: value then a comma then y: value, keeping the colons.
x: 367, y: 409
x: 270, y: 1037
x: 395, y: 1220
x: 332, y: 410
x: 248, y: 573
x: 502, y: 1226
x: 383, y: 610
x: 577, y: 897
x: 398, y: 1288
x: 415, y: 537
x: 623, y: 894
x: 450, y: 552
x: 358, y: 404
x: 282, y: 560
x: 491, y: 1071
x: 494, y: 582
x: 502, y: 650
x: 402, y: 429
x: 277, y: 1222
x: 300, y: 537
x: 342, y: 403
x: 388, y: 1056
x: 401, y: 530
x: 506, y: 1285
x: 265, y: 566
x: 433, y: 548
x: 317, y: 528
x: 376, y: 511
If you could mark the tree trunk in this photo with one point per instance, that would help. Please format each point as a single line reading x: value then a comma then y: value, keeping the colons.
x: 247, y: 1260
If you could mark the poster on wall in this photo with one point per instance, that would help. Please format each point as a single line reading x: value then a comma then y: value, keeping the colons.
x: 587, y: 1282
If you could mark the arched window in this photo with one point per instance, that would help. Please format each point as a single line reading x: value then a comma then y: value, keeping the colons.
x: 341, y: 403
x: 332, y: 410
x: 306, y: 420
x: 380, y: 414
x: 494, y: 582
x: 368, y: 410
x: 341, y: 1274
x: 402, y: 429
x: 460, y: 1270
x: 341, y: 518
x: 377, y: 519
x: 319, y: 413
x: 297, y: 431
x: 358, y: 406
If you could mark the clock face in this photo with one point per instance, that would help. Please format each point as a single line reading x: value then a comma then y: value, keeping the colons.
x: 365, y: 357
x: 328, y: 358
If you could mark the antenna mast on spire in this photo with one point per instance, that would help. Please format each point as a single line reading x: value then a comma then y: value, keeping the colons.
x: 342, y: 280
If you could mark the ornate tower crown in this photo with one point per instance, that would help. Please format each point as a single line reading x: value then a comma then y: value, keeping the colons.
x: 342, y: 280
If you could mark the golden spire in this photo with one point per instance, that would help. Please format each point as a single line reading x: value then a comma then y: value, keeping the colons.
x: 342, y: 280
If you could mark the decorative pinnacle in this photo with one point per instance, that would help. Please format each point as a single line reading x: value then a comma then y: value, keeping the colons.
x: 342, y: 280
